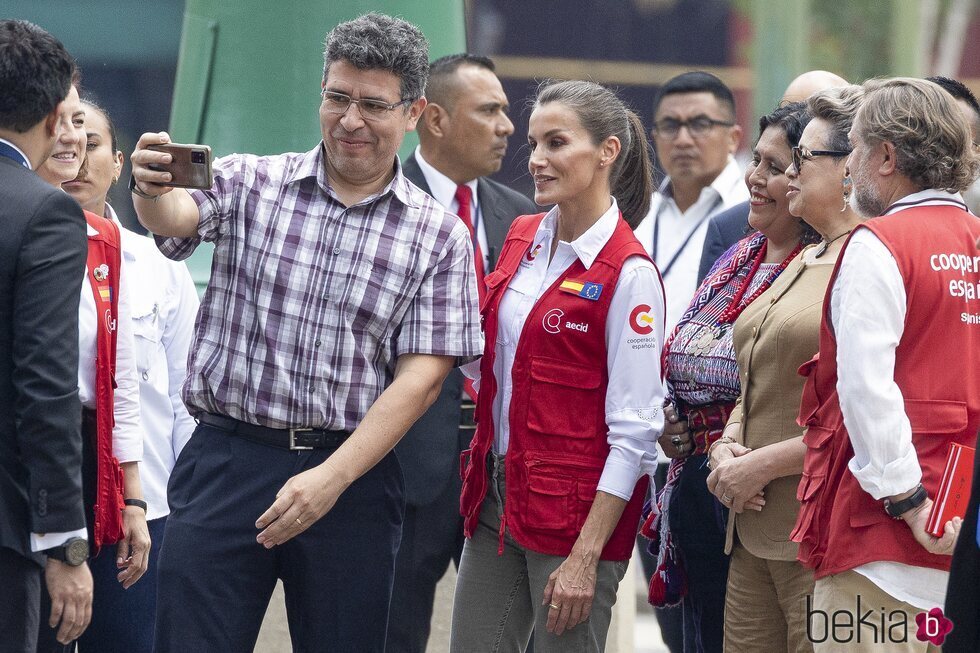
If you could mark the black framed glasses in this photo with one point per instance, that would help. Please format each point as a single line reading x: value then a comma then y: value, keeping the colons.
x: 370, y: 109
x: 801, y: 154
x: 698, y: 126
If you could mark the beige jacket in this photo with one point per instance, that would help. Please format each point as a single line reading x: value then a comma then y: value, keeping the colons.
x: 773, y: 336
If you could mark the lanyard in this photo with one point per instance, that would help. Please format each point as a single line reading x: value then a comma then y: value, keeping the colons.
x: 664, y: 271
x: 11, y: 153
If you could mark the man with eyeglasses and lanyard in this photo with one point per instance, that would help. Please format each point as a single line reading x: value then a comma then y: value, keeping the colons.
x: 341, y: 296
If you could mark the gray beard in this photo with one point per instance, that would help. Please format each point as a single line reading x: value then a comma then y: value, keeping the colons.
x: 866, y: 202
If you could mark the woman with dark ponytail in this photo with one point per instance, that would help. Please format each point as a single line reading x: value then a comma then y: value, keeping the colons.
x: 571, y: 395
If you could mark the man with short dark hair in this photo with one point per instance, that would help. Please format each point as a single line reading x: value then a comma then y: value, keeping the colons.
x: 463, y: 136
x: 695, y: 135
x: 341, y: 296
x: 42, y: 263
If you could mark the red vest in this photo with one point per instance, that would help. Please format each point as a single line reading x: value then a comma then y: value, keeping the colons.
x: 558, y: 433
x: 104, y: 260
x: 840, y: 526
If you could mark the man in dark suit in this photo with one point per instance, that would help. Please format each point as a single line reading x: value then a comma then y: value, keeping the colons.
x: 724, y: 230
x: 42, y: 264
x: 463, y: 137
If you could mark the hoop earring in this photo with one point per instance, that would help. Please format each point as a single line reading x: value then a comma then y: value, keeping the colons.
x: 848, y: 185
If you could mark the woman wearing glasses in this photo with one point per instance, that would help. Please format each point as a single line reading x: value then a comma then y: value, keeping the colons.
x: 759, y: 459
x: 570, y: 398
x: 704, y: 381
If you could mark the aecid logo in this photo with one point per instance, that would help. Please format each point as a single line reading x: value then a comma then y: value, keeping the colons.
x: 552, y: 322
x: 640, y: 319
x: 533, y: 253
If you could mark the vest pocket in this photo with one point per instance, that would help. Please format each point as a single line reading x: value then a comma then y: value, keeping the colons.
x: 562, y: 400
x: 560, y: 493
x: 817, y: 461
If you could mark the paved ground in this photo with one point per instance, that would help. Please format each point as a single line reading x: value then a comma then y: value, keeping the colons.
x: 274, y: 637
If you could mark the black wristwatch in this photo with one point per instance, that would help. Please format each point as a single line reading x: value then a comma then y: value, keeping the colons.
x: 899, y: 508
x: 73, y: 552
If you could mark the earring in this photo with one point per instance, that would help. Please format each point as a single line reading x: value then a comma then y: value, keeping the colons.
x: 115, y: 179
x: 848, y: 186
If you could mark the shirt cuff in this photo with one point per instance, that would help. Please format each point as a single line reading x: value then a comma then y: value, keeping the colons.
x: 44, y: 541
x: 618, y: 477
x: 897, y: 476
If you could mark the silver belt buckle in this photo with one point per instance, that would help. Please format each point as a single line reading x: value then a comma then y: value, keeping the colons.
x: 292, y: 440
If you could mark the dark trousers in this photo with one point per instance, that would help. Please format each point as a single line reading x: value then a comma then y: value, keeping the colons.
x: 432, y: 536
x: 122, y: 620
x: 216, y: 580
x: 19, y: 602
x: 698, y: 524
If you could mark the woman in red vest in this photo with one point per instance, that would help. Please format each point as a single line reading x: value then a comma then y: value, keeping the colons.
x: 112, y: 440
x: 570, y: 399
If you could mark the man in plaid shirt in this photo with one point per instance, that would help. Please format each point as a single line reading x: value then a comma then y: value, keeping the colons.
x: 341, y: 295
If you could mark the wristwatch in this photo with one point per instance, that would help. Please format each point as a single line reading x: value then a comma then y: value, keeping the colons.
x: 898, y: 508
x: 73, y: 552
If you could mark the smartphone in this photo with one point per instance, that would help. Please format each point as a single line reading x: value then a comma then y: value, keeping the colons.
x: 190, y: 167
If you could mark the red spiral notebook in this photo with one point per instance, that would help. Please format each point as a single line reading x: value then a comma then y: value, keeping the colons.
x: 954, y: 489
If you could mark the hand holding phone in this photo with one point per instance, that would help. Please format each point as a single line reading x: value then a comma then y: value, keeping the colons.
x: 190, y: 165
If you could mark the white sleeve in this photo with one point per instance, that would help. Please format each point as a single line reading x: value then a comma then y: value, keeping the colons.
x: 868, y: 305
x: 41, y: 542
x: 177, y: 335
x: 635, y: 395
x: 127, y: 437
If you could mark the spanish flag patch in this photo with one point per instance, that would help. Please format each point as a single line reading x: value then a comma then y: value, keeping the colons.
x: 582, y: 288
x: 106, y: 293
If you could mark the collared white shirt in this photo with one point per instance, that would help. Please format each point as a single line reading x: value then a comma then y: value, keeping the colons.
x: 127, y: 437
x: 635, y: 393
x: 444, y: 191
x: 868, y: 306
x: 164, y: 305
x: 681, y: 278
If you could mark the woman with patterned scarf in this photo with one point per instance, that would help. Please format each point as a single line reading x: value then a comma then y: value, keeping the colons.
x: 687, y: 525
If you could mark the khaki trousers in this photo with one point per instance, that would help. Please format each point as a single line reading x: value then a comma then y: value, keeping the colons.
x: 765, y: 605
x: 498, y: 597
x: 882, y: 630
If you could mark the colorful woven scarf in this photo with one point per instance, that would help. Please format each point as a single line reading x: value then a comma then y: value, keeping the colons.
x: 668, y: 586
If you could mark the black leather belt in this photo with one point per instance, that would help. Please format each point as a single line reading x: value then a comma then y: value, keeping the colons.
x: 298, y: 439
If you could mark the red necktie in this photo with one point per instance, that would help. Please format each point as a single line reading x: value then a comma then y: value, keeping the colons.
x: 464, y: 197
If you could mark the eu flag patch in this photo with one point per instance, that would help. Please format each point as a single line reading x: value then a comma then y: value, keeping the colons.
x: 582, y: 288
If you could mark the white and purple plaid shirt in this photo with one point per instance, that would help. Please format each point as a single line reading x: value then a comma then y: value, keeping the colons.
x: 310, y: 303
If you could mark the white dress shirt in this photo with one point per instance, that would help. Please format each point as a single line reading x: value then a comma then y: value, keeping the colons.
x: 867, y: 304
x: 635, y: 394
x: 127, y: 437
x: 681, y: 279
x: 164, y: 305
x: 443, y: 190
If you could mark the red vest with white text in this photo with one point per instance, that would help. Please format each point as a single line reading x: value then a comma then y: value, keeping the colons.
x: 558, y: 433
x: 840, y: 526
x: 102, y: 273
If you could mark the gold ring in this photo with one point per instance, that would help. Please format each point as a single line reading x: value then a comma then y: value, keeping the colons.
x: 554, y: 607
x: 298, y: 521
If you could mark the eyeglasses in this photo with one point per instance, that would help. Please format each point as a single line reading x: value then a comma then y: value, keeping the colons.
x: 801, y: 154
x: 370, y: 109
x: 697, y: 127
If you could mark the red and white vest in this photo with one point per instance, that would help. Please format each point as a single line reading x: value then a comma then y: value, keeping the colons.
x: 558, y: 433
x: 840, y: 526
x: 102, y: 273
